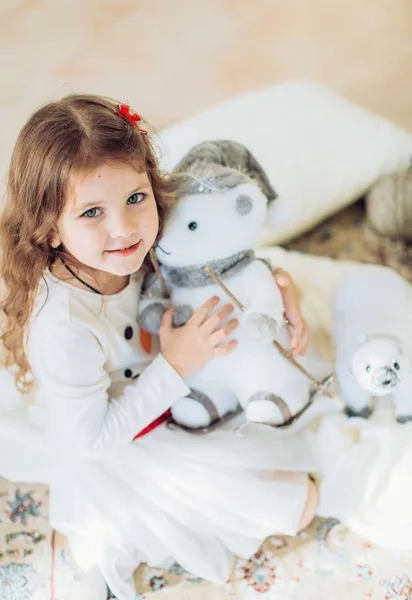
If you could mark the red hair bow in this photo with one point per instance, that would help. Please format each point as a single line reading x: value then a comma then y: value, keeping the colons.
x: 124, y: 111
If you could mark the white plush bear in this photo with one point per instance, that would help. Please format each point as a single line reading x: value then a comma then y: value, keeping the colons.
x: 373, y: 338
x: 223, y: 197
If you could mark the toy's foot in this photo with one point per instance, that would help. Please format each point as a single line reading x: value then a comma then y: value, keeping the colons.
x: 195, y: 410
x: 404, y: 419
x: 265, y: 407
x: 365, y: 413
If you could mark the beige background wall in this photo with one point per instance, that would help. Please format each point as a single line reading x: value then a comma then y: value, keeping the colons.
x: 171, y: 58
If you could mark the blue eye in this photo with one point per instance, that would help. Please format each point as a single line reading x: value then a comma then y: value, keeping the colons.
x: 91, y: 213
x: 136, y: 198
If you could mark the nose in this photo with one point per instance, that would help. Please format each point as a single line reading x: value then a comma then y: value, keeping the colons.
x: 389, y: 376
x: 121, y: 226
x: 386, y: 377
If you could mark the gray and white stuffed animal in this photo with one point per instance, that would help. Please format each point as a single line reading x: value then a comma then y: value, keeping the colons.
x: 223, y: 197
x: 373, y: 339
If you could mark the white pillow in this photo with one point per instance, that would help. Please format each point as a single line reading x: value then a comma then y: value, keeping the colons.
x: 319, y: 151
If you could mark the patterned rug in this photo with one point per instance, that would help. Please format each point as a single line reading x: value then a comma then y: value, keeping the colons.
x: 325, y: 561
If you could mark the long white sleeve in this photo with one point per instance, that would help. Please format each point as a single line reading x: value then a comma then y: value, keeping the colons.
x: 70, y: 364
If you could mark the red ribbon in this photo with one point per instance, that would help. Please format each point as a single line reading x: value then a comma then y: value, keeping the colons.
x: 133, y: 118
x: 162, y: 419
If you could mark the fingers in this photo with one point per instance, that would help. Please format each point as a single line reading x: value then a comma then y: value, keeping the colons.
x: 167, y: 319
x: 282, y: 278
x: 297, y: 324
x: 302, y: 343
x: 213, y: 322
x: 290, y: 292
x: 225, y: 349
x: 300, y: 337
x: 218, y: 336
x: 292, y: 304
x: 201, y: 313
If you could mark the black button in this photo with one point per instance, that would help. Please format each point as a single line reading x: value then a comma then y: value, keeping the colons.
x: 128, y: 332
x: 128, y: 373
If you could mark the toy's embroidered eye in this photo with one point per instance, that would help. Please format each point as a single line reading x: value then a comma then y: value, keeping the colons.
x: 396, y: 365
x: 192, y: 225
x: 244, y: 205
x: 368, y: 368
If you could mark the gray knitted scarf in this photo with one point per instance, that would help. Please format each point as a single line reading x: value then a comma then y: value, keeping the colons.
x: 193, y: 276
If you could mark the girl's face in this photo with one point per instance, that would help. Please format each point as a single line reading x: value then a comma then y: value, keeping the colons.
x: 110, y: 220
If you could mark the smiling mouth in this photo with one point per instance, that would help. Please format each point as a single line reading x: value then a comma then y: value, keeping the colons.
x: 125, y: 250
x: 164, y: 251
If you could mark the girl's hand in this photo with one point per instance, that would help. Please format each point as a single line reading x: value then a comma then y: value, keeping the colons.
x: 291, y: 300
x: 188, y: 348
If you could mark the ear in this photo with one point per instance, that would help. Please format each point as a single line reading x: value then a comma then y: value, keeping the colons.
x: 55, y: 240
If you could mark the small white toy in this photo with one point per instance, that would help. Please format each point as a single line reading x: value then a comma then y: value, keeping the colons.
x: 373, y: 338
x: 223, y: 198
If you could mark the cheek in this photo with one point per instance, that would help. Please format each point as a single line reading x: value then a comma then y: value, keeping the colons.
x: 149, y: 218
x: 86, y: 237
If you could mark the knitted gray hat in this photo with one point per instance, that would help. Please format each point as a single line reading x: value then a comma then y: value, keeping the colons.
x: 219, y: 165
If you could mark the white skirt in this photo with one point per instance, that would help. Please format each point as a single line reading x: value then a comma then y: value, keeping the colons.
x: 174, y: 496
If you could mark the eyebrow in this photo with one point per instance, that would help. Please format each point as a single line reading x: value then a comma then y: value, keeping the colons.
x: 84, y: 207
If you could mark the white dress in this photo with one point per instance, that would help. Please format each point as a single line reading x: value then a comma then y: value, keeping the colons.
x: 198, y: 500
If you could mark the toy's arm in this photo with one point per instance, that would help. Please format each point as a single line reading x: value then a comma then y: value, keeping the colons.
x: 153, y: 305
x: 263, y: 302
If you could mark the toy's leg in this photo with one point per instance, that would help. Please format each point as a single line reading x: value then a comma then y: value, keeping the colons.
x: 357, y: 400
x: 270, y: 388
x: 201, y: 408
x: 195, y: 410
x: 265, y: 407
x: 403, y: 405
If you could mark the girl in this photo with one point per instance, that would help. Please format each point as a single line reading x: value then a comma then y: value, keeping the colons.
x: 85, y: 205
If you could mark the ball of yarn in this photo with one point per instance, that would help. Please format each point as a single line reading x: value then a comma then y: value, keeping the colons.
x: 389, y: 205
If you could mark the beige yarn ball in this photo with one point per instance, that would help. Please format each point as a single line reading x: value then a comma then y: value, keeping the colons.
x: 389, y: 205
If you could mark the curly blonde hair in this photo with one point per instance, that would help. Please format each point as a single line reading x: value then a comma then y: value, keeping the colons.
x: 76, y: 133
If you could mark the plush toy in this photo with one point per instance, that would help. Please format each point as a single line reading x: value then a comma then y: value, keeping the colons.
x: 373, y: 338
x: 223, y: 197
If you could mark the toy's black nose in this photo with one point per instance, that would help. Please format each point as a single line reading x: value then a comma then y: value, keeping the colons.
x: 386, y: 377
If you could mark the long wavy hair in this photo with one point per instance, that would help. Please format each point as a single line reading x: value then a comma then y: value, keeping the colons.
x: 76, y: 133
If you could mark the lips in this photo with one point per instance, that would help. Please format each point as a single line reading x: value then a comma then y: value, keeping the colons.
x: 125, y: 251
